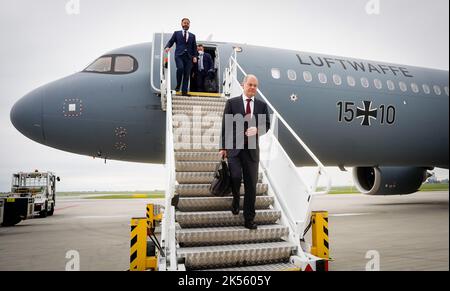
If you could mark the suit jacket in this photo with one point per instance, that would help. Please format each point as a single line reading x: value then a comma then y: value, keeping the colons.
x: 182, y: 46
x: 207, y: 63
x: 233, y: 141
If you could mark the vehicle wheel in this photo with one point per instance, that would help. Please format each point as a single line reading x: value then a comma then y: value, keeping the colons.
x: 43, y: 213
x: 52, y: 210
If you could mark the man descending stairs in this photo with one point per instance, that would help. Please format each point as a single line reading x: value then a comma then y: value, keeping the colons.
x: 208, y: 235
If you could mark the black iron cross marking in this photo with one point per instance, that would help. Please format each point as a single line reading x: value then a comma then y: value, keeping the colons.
x: 367, y: 113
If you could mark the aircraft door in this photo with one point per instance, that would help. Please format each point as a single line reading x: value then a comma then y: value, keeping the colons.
x: 212, y: 78
x: 159, y: 41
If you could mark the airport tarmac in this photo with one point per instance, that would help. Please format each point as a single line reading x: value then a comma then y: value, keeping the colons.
x: 407, y: 232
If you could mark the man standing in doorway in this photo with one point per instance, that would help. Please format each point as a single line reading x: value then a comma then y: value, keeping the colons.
x: 245, y: 118
x: 185, y: 54
x: 204, y: 67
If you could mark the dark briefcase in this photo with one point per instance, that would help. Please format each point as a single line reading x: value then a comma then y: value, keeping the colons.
x: 221, y: 184
x: 210, y: 86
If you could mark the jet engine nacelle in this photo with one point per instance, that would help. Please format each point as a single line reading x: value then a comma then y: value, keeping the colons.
x: 389, y: 180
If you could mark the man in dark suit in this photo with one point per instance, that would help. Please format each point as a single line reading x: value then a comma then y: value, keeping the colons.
x: 185, y: 54
x: 204, y: 66
x: 245, y: 118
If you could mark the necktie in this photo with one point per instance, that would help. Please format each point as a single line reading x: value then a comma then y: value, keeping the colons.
x: 201, y: 62
x: 185, y: 36
x: 248, y: 109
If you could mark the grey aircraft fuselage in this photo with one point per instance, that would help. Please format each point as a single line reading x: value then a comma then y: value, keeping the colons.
x: 355, y: 113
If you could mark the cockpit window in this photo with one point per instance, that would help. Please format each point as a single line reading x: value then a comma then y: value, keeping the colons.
x: 124, y: 64
x: 101, y: 65
x: 113, y: 64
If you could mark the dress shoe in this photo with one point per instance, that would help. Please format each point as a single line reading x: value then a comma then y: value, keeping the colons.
x: 235, y: 207
x: 250, y: 225
x: 184, y: 93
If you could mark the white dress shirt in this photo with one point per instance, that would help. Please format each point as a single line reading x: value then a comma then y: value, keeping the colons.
x: 252, y: 104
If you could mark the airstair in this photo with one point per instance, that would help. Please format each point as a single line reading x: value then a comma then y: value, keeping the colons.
x: 198, y: 230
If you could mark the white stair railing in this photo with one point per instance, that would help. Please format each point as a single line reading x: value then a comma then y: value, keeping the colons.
x: 169, y: 260
x: 292, y: 192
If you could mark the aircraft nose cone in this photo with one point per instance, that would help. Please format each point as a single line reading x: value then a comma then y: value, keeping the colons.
x: 26, y: 116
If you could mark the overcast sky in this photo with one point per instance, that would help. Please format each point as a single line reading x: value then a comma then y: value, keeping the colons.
x: 41, y: 42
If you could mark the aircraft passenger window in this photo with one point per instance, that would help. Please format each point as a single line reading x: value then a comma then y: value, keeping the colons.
x: 446, y: 90
x: 124, y: 64
x: 101, y: 65
x: 365, y: 82
x: 437, y: 90
x: 351, y: 81
x: 337, y: 80
x: 378, y: 84
x: 292, y: 75
x: 391, y: 85
x: 307, y: 76
x: 322, y: 78
x: 415, y: 88
x: 276, y: 73
x: 426, y: 89
x: 403, y: 86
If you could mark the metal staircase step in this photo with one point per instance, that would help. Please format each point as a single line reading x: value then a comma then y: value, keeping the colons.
x: 191, y: 131
x: 200, y: 177
x: 185, y: 119
x: 202, y: 190
x: 219, y: 203
x: 197, y: 107
x: 236, y: 255
x: 223, y: 218
x: 207, y: 138
x: 206, y: 95
x: 197, y: 113
x: 203, y: 113
x: 196, y: 147
x: 261, y: 268
x: 202, y: 103
x: 198, y: 124
x: 195, y: 166
x: 177, y: 98
x: 213, y: 109
x: 230, y: 235
x: 198, y: 156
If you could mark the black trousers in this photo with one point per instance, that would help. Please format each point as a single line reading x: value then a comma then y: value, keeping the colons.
x: 184, y: 66
x: 200, y: 78
x: 243, y: 165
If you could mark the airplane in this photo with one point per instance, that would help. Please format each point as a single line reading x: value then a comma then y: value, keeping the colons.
x: 388, y: 121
